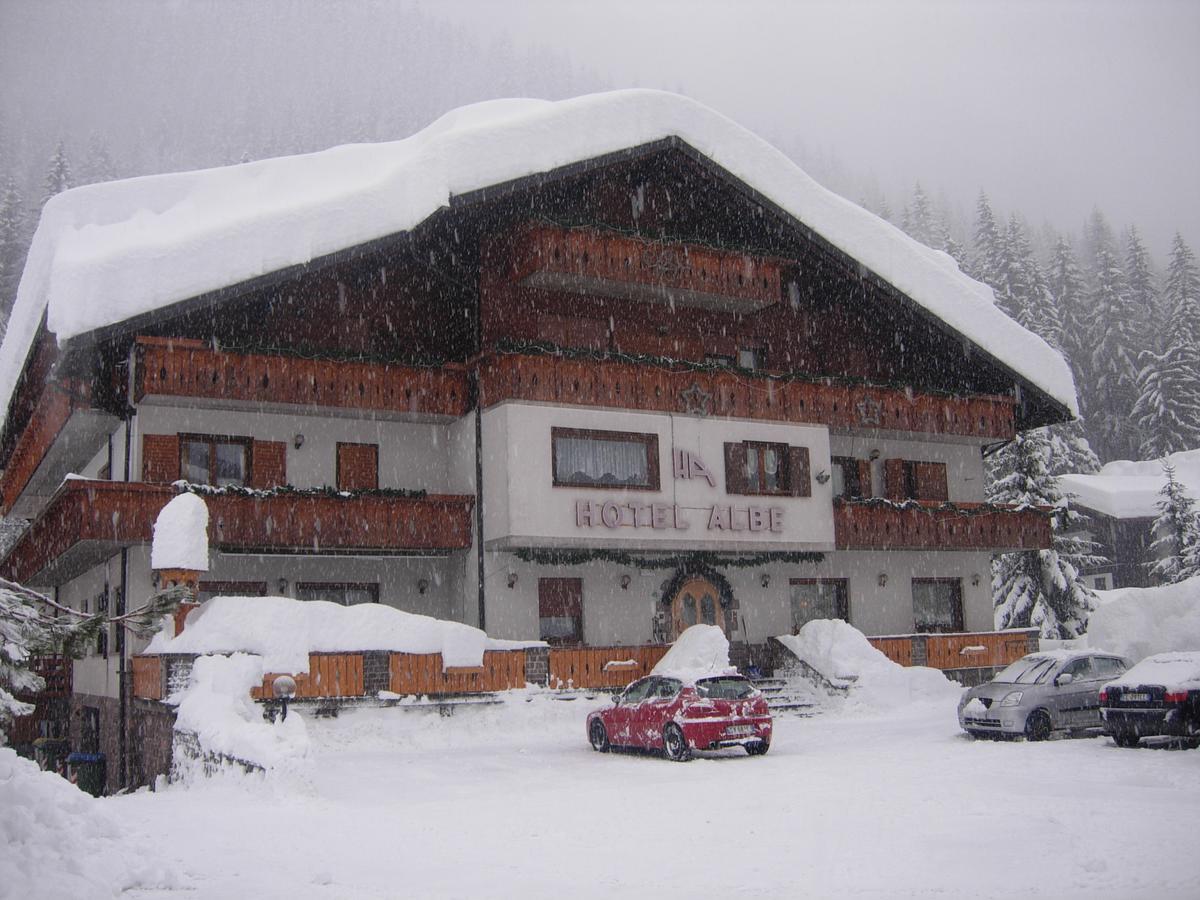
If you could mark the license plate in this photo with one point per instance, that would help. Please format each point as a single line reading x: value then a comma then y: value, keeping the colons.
x: 739, y: 729
x: 1135, y: 698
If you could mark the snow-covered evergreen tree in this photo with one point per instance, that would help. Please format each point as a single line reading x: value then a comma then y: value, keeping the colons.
x: 1175, y: 550
x: 58, y: 174
x: 1181, y: 293
x: 1040, y: 588
x: 1141, y: 294
x: 1067, y: 287
x: 988, y: 255
x: 12, y: 245
x: 98, y: 164
x: 25, y: 631
x: 921, y: 220
x: 1109, y: 370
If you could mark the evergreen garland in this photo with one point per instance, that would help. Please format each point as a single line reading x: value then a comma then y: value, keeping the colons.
x: 691, y: 559
x: 287, y: 490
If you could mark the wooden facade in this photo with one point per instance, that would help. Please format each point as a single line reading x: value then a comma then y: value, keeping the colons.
x: 50, y: 415
x: 922, y: 525
x: 602, y: 667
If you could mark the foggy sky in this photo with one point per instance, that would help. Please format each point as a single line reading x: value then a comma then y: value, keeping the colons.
x: 1051, y: 107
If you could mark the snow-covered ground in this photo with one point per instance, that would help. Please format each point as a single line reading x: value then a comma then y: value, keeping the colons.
x: 510, y: 801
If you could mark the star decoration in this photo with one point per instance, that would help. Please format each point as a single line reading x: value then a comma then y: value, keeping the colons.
x: 870, y: 411
x: 696, y: 400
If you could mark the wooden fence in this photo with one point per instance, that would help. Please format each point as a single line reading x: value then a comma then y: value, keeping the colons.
x: 602, y: 667
x: 329, y: 675
x: 147, y: 677
x: 966, y: 650
x: 413, y: 673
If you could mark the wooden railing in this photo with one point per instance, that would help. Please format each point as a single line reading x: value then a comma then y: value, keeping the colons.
x: 50, y: 416
x: 175, y: 367
x: 626, y: 385
x: 963, y: 650
x: 602, y: 667
x: 328, y: 675
x: 413, y: 673
x: 934, y: 526
x: 124, y: 513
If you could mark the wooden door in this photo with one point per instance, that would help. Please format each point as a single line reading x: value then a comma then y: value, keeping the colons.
x: 697, y: 602
x: 357, y: 467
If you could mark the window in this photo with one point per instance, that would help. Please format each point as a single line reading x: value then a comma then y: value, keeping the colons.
x: 585, y: 458
x: 851, y: 478
x: 560, y: 610
x: 1108, y: 666
x: 346, y: 594
x: 937, y: 604
x: 1079, y: 669
x: 756, y: 467
x: 206, y: 590
x: 219, y: 461
x: 1100, y: 582
x: 639, y: 691
x: 718, y: 359
x: 819, y: 598
x: 357, y: 467
x: 751, y: 358
x: 905, y: 479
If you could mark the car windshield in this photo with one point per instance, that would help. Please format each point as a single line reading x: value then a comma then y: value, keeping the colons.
x: 725, y: 688
x: 1028, y: 670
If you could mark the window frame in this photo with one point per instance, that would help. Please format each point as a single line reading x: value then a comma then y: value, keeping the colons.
x: 351, y: 446
x: 649, y: 441
x: 213, y: 440
x: 573, y: 587
x: 783, y: 474
x: 849, y: 466
x: 957, y: 625
x: 372, y: 587
x: 843, y: 600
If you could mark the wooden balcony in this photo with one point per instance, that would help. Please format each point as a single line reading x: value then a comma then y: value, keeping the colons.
x: 936, y: 526
x: 87, y: 521
x: 963, y: 650
x: 735, y: 394
x: 605, y: 264
x: 173, y: 367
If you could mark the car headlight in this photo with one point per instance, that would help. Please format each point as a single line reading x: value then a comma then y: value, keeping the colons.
x: 1012, y: 698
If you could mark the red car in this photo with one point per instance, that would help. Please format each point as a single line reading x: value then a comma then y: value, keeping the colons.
x: 678, y: 716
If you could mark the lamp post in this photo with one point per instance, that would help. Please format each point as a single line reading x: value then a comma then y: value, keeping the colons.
x: 284, y: 688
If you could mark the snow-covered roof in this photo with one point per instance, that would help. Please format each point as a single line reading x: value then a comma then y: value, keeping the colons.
x: 181, y: 535
x: 1131, y: 490
x: 107, y: 252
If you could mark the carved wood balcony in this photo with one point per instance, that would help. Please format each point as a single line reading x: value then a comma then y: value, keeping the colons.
x: 87, y: 521
x: 736, y: 394
x: 171, y: 367
x: 934, y: 526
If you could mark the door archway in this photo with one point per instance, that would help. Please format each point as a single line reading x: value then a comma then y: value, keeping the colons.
x: 697, y: 601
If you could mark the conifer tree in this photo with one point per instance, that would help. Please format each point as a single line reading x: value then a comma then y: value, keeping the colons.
x: 12, y: 245
x: 1109, y: 370
x: 1040, y: 588
x: 97, y: 165
x: 1175, y: 550
x: 25, y: 631
x: 922, y: 222
x: 58, y: 175
x: 1181, y: 293
x: 987, y: 259
x: 1141, y: 295
x: 1069, y: 292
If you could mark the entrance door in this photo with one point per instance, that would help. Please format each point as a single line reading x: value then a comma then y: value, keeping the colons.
x: 696, y: 602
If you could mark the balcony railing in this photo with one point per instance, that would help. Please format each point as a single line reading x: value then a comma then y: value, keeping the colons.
x: 171, y: 367
x: 914, y: 525
x: 106, y: 514
x: 626, y: 385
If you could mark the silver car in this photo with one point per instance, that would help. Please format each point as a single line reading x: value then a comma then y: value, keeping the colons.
x: 1055, y: 690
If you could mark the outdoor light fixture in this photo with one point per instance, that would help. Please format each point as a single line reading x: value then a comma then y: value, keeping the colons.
x: 764, y: 579
x: 298, y: 441
x: 512, y: 579
x: 422, y: 585
x: 873, y: 455
x: 282, y: 586
x: 821, y: 477
x: 284, y: 689
x: 883, y: 579
x: 625, y: 580
x: 975, y: 580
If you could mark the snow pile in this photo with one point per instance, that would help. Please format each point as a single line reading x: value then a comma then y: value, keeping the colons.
x: 58, y: 842
x: 1136, y: 622
x: 1174, y: 671
x: 181, y: 535
x: 107, y: 252
x: 700, y: 652
x: 216, y: 708
x: 1131, y: 490
x: 843, y: 656
x: 284, y: 631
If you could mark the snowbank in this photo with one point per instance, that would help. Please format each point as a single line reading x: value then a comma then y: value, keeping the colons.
x: 1130, y: 490
x: 700, y: 652
x: 843, y: 655
x: 1136, y: 622
x: 216, y: 708
x: 284, y: 631
x: 106, y: 252
x: 181, y: 535
x: 58, y: 842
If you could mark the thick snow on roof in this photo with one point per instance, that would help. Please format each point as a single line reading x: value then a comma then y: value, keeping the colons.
x: 1130, y: 490
x: 1136, y: 622
x: 107, y: 252
x: 284, y: 631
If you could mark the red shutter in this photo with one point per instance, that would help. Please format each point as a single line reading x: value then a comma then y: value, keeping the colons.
x: 931, y: 481
x: 864, y: 478
x: 357, y: 467
x: 268, y: 464
x: 893, y: 479
x: 735, y: 468
x: 801, y: 479
x: 160, y: 457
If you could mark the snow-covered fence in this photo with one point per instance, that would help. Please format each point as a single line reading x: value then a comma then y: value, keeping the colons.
x: 593, y: 667
x: 965, y: 650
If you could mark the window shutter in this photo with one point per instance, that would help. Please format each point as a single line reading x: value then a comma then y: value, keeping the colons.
x: 268, y: 464
x: 357, y: 467
x: 931, y: 481
x: 735, y: 468
x: 893, y: 479
x: 864, y: 478
x: 160, y: 457
x: 798, y: 469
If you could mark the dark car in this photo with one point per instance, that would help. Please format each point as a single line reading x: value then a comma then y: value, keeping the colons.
x: 1158, y: 696
x: 678, y: 715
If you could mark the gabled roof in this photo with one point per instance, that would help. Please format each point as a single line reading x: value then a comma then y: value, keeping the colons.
x: 109, y: 252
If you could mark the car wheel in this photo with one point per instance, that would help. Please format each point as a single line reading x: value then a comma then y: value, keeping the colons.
x: 758, y: 748
x: 1125, y: 739
x: 1038, y: 726
x: 675, y: 744
x: 598, y: 735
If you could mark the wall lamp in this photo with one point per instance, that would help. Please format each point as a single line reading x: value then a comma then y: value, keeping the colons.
x: 298, y: 441
x: 512, y: 579
x: 975, y: 580
x: 282, y: 585
x: 764, y: 579
x: 422, y: 585
x: 883, y: 579
x: 625, y: 580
